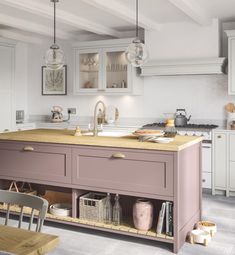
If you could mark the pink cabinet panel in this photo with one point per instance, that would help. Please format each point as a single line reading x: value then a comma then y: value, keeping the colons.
x: 138, y: 172
x: 36, y: 161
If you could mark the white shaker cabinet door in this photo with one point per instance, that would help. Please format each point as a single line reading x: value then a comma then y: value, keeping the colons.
x: 220, y: 160
x: 5, y: 112
x: 6, y: 87
x: 232, y: 175
x: 232, y: 161
x: 231, y: 61
x: 6, y: 68
x: 232, y: 147
x: 231, y: 66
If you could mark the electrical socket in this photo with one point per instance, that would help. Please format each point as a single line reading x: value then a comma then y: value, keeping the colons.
x: 72, y: 110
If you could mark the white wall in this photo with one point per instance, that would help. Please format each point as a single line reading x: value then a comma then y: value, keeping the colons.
x: 184, y: 40
x: 203, y: 96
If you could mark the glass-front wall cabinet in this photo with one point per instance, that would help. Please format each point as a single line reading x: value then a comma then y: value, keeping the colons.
x: 101, y: 68
x: 116, y: 71
x: 88, y: 73
x: 105, y: 70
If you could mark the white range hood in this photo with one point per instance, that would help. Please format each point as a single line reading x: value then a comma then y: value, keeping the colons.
x: 184, y: 67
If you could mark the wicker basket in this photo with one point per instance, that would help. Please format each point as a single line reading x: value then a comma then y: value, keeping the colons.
x: 91, y: 206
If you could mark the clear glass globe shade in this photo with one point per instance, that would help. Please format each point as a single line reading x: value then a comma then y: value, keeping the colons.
x: 55, y: 58
x: 137, y: 53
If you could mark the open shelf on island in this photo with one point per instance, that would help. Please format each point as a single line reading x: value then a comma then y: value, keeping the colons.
x: 56, y: 194
x: 125, y: 228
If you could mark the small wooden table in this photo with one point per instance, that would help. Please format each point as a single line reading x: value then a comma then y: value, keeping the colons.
x: 24, y: 242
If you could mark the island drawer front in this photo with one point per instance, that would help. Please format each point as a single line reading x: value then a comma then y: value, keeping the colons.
x: 149, y: 173
x: 36, y: 162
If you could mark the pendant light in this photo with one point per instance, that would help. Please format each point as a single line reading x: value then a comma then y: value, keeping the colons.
x: 54, y: 58
x: 137, y: 52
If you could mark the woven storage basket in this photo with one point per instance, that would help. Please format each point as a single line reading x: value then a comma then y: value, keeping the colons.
x: 91, y: 206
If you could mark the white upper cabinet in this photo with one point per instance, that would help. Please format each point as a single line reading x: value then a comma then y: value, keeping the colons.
x: 88, y: 71
x: 231, y: 61
x: 7, y: 60
x: 101, y: 68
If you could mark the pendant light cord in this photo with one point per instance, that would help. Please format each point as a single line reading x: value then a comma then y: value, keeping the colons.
x: 54, y: 21
x: 137, y: 19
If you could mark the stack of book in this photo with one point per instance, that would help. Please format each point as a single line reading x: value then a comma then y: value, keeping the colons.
x: 165, y: 219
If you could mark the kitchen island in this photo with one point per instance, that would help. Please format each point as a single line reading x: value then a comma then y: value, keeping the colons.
x: 122, y: 165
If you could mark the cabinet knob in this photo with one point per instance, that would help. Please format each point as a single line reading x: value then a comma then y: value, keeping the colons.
x: 118, y: 155
x: 219, y: 136
x: 28, y: 148
x: 203, y: 180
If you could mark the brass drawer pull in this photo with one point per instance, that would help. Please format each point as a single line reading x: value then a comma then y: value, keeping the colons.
x: 28, y: 148
x: 118, y: 155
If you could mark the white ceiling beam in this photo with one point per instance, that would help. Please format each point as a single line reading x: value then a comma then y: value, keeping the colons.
x: 19, y: 37
x: 122, y: 12
x: 63, y: 17
x: 31, y: 27
x: 193, y: 11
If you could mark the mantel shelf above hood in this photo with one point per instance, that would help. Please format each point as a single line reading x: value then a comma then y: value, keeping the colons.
x: 184, y: 67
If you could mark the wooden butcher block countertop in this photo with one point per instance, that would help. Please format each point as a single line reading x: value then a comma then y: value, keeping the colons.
x: 67, y: 137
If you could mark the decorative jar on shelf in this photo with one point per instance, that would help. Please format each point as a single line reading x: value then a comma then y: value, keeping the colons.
x: 143, y: 214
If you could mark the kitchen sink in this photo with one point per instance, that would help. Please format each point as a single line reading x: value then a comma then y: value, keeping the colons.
x: 109, y: 134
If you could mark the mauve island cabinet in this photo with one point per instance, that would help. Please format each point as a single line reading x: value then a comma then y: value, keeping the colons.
x: 116, y: 165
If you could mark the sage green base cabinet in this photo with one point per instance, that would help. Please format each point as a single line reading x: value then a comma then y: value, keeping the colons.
x: 223, y: 162
x: 100, y: 67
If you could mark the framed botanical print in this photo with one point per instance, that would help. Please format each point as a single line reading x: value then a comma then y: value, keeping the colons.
x: 54, y: 82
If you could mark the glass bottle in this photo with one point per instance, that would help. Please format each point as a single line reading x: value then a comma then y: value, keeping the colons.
x: 170, y: 130
x: 108, y: 210
x: 117, y: 211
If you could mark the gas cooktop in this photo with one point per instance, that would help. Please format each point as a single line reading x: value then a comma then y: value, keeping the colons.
x: 190, y: 126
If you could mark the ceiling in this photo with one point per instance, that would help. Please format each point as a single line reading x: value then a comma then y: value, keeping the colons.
x: 32, y: 20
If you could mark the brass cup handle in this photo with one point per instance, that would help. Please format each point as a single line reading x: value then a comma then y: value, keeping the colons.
x: 28, y: 148
x: 118, y: 155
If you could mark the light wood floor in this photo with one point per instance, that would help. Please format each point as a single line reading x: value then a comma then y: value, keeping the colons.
x: 74, y: 241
